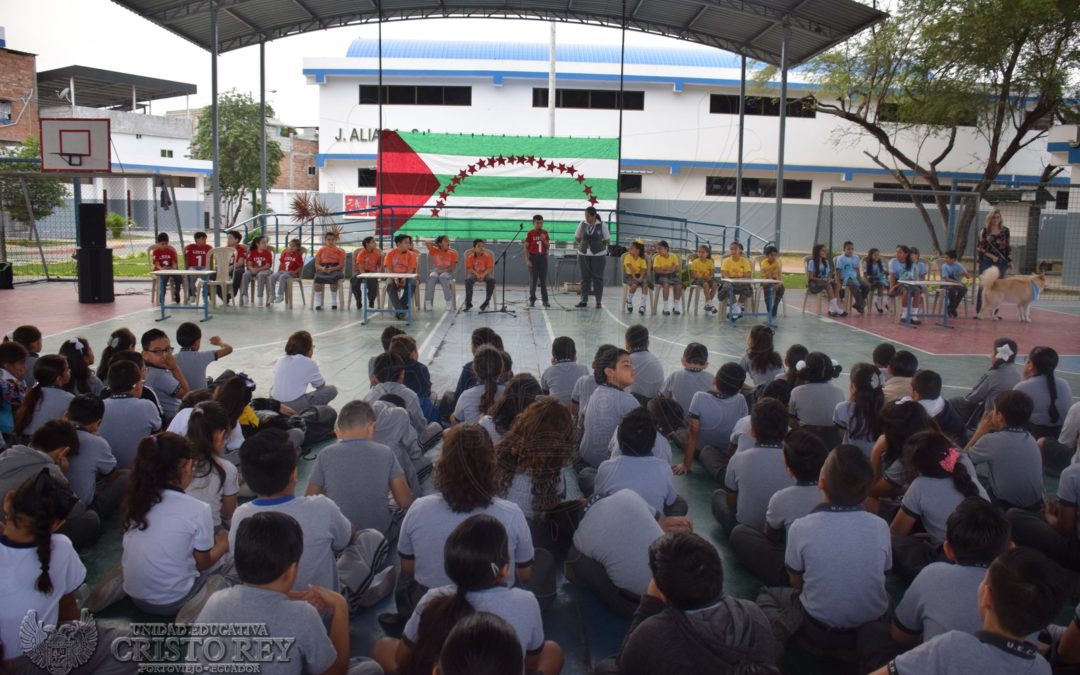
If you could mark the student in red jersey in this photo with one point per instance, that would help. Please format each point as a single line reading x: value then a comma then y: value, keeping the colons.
x: 195, y: 257
x: 260, y: 260
x: 329, y: 269
x: 289, y: 266
x: 537, y: 244
x: 401, y: 260
x: 164, y: 257
x: 368, y: 259
x: 233, y: 241
x: 443, y: 263
x: 479, y: 267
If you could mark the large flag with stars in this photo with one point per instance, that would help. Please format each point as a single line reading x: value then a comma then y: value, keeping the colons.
x: 471, y: 185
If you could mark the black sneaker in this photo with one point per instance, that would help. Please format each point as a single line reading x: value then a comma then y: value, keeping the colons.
x: 582, y: 305
x: 629, y: 309
x: 667, y: 312
x: 484, y: 306
x: 333, y: 306
x: 547, y: 306
x: 915, y: 321
x: 468, y: 306
x: 319, y: 308
x: 532, y: 302
x: 599, y: 306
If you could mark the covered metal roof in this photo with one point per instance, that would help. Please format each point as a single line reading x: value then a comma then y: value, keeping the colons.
x: 753, y: 28
x: 97, y: 88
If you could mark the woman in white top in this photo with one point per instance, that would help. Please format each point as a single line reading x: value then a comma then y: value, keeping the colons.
x: 592, y: 241
x: 295, y: 371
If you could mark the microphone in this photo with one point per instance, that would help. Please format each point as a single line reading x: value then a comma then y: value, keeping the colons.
x: 521, y: 226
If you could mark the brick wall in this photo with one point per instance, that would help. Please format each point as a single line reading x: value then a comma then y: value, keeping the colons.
x: 294, y: 166
x: 18, y: 80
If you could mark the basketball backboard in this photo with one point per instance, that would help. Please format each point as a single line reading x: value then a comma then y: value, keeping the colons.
x: 76, y: 145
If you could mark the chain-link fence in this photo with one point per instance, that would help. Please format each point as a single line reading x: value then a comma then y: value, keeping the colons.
x: 1043, y: 223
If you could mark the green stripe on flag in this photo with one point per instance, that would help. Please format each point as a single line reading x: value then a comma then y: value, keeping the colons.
x: 539, y: 187
x: 488, y: 146
x: 472, y: 228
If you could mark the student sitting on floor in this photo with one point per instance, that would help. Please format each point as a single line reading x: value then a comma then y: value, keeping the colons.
x: 753, y: 476
x: 214, y: 479
x: 1002, y: 376
x: 12, y: 369
x: 614, y: 372
x: 814, y: 402
x: 742, y: 436
x: 648, y: 371
x: 295, y: 371
x: 694, y: 376
x: 193, y: 362
x: 269, y: 546
x: 92, y: 470
x: 1002, y: 441
x: 336, y: 556
x: 394, y: 430
x: 46, y: 400
x: 1061, y: 451
x: 1050, y: 394
x: 902, y: 368
x: 926, y: 389
x: 559, y: 378
x: 1017, y: 598
x: 637, y: 469
x: 761, y: 550
x: 896, y: 423
x: 477, y: 560
x: 390, y: 372
x: 584, y: 388
x: 128, y: 417
x: 417, y: 375
x: 945, y: 595
x: 944, y: 478
x: 481, y: 644
x: 857, y: 416
x: 761, y: 361
x: 521, y: 391
x: 467, y: 378
x: 80, y: 357
x: 837, y: 558
x: 713, y: 415
x: 882, y: 356
x: 475, y: 401
x: 685, y: 623
x: 387, y: 336
x: 163, y: 375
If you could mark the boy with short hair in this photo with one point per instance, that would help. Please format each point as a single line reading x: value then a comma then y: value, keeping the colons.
x: 849, y: 275
x: 163, y: 375
x: 926, y: 389
x: 195, y: 255
x: 537, y: 244
x: 193, y: 362
x: 735, y: 266
x: 761, y: 550
x: 882, y: 357
x: 902, y: 367
x: 234, y: 240
x: 329, y: 268
x: 559, y: 378
x: 637, y: 469
x: 713, y: 415
x: 614, y: 373
x: 479, y: 268
x: 443, y: 263
x: 648, y: 371
x: 954, y: 270
x: 681, y: 385
x: 390, y: 377
x: 837, y: 557
x: 1002, y: 441
x: 356, y: 473
x: 401, y: 260
x: 128, y: 417
x: 1018, y: 597
x: 666, y: 271
x: 268, y: 461
x: 92, y: 470
x: 163, y: 257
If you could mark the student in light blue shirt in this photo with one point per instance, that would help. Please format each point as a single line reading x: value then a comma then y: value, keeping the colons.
x: 954, y: 270
x: 849, y: 276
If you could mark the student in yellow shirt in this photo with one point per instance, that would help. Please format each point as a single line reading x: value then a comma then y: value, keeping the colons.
x: 770, y: 269
x: 736, y: 266
x: 665, y: 266
x: 701, y: 274
x: 635, y: 276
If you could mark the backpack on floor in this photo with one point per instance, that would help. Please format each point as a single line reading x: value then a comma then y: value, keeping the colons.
x: 317, y: 423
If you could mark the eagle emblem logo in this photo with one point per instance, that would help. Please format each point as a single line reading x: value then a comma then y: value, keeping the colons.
x: 58, y: 649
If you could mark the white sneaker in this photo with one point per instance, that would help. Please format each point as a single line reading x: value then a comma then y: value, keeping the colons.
x: 381, y: 587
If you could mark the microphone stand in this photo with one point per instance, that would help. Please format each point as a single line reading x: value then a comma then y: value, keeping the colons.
x: 502, y: 258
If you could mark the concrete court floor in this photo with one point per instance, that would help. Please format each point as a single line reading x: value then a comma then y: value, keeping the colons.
x: 586, y: 630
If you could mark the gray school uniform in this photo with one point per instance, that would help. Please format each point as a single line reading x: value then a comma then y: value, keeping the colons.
x: 842, y: 555
x: 681, y: 385
x: 1016, y: 474
x: 1068, y: 492
x: 164, y: 386
x: 94, y: 459
x: 394, y: 430
x: 741, y: 434
x: 932, y: 500
x: 649, y: 476
x: 944, y: 597
x: 516, y: 605
x: 53, y: 405
x: 468, y: 404
x: 28, y: 378
x: 754, y: 476
x: 558, y: 379
x: 717, y: 416
x: 125, y: 422
x: 616, y: 531
x: 607, y: 406
x: 356, y: 475
x: 792, y: 503
x: 193, y: 365
x: 521, y: 490
x: 814, y: 404
x: 842, y: 418
x: 648, y: 374
x: 1039, y: 392
x: 993, y: 382
x: 760, y: 377
x: 960, y: 653
x: 583, y: 391
x: 412, y: 403
x: 661, y: 448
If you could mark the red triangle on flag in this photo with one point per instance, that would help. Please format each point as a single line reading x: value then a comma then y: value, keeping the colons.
x: 404, y: 180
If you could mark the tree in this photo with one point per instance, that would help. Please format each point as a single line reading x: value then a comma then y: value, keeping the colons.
x: 238, y: 135
x: 914, y: 81
x: 46, y: 194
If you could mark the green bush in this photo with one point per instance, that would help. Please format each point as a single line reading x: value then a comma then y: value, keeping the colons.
x: 116, y: 223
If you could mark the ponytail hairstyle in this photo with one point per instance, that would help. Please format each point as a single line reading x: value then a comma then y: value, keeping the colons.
x: 75, y: 351
x: 488, y: 366
x: 207, y: 419
x: 521, y: 391
x: 159, y: 461
x: 474, y: 555
x: 898, y: 422
x: 869, y: 264
x: 40, y: 503
x: 868, y: 398
x: 485, y: 335
x: 762, y: 355
x: 795, y: 353
x: 120, y: 340
x: 234, y: 395
x: 1043, y: 359
x: 932, y: 454
x: 607, y: 356
x: 47, y: 370
x: 818, y: 368
x: 1003, y: 356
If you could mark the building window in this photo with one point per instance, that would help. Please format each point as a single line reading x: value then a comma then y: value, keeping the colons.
x: 630, y: 183
x: 166, y: 153
x: 1061, y: 200
x: 185, y: 181
x: 724, y: 186
x: 416, y: 95
x: 311, y: 171
x: 5, y: 112
x: 589, y: 99
x: 367, y: 178
x: 728, y: 104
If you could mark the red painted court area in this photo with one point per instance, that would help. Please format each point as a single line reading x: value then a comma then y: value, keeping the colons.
x: 54, y: 307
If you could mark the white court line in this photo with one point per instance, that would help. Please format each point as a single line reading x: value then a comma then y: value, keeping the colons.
x: 550, y: 330
x: 314, y: 335
x: 431, y: 336
x: 96, y: 323
x: 670, y: 342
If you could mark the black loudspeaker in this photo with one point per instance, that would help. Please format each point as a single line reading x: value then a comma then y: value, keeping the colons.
x: 95, y: 275
x: 92, y: 226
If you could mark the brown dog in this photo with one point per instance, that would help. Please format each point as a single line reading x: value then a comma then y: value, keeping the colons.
x: 1022, y: 290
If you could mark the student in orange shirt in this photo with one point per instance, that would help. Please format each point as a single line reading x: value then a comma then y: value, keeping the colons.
x: 240, y: 263
x: 401, y: 260
x: 479, y: 266
x: 443, y: 263
x: 195, y: 258
x: 164, y: 257
x: 329, y: 268
x: 368, y: 259
x: 289, y: 267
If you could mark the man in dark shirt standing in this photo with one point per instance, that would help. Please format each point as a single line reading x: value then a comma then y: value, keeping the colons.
x: 537, y: 243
